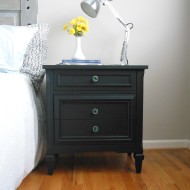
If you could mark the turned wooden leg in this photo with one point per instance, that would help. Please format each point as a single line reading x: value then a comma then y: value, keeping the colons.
x: 51, y: 162
x: 138, y: 162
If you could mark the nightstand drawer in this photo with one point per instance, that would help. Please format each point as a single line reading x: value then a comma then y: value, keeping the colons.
x: 89, y: 79
x: 87, y: 110
x: 88, y: 128
x: 94, y: 107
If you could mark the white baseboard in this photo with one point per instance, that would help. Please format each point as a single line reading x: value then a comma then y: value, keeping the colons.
x: 151, y: 144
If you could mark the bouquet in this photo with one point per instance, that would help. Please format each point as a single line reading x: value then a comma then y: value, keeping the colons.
x: 77, y: 26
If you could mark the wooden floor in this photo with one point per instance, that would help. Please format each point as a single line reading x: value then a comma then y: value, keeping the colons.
x: 162, y: 170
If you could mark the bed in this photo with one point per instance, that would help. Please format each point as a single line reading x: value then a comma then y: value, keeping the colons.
x: 23, y: 51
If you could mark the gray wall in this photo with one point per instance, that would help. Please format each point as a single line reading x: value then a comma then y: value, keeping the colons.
x: 159, y: 39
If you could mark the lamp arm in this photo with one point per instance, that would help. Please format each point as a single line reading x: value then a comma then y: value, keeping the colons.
x: 115, y: 13
x: 123, y: 57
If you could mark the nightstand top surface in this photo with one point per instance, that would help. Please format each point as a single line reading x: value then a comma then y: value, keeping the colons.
x: 61, y: 66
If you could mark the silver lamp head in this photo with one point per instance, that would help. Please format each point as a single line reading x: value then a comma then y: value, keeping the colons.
x: 91, y: 7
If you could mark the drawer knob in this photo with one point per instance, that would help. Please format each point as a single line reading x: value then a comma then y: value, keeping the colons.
x: 95, y: 78
x: 95, y: 111
x: 95, y: 129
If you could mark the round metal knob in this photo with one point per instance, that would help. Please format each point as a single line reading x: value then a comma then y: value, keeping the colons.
x: 95, y: 111
x: 95, y: 129
x: 95, y: 78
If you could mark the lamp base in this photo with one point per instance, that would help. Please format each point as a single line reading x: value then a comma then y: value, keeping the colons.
x: 124, y: 62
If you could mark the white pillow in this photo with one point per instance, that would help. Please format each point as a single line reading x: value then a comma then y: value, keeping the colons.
x: 14, y: 41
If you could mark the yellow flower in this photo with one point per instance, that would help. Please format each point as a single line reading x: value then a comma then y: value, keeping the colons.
x: 65, y: 27
x: 82, y: 24
x: 73, y: 22
x: 77, y: 26
x: 72, y: 31
x: 81, y: 19
x: 85, y: 28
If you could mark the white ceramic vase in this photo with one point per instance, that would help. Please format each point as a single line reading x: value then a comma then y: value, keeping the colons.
x: 78, y: 54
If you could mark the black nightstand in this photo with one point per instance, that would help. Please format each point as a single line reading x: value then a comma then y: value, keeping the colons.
x: 94, y: 108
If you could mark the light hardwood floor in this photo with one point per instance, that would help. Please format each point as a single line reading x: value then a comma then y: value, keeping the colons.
x: 162, y: 170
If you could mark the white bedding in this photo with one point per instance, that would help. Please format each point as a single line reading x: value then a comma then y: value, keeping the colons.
x: 22, y: 142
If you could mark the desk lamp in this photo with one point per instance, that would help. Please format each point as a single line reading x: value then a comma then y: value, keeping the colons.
x: 92, y: 7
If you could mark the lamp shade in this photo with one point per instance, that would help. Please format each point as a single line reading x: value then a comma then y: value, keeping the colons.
x: 91, y: 7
